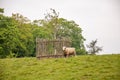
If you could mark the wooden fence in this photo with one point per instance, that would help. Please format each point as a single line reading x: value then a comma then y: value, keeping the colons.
x: 50, y: 48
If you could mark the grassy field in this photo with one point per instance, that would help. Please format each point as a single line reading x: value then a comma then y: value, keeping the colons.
x: 89, y: 67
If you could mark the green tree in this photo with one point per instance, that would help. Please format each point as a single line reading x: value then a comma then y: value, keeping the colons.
x: 41, y: 32
x: 93, y: 48
x: 51, y: 22
x: 72, y: 31
x: 20, y: 18
x: 63, y: 29
x: 18, y: 34
x: 8, y: 36
x: 27, y: 45
x: 1, y: 10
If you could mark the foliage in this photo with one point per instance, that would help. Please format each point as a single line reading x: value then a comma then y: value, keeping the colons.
x: 63, y: 29
x: 81, y: 52
x: 98, y: 67
x: 93, y: 48
x: 8, y: 35
x: 15, y: 37
x: 18, y: 34
x: 1, y: 10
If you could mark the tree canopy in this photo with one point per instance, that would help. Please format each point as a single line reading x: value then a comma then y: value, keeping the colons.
x: 18, y: 33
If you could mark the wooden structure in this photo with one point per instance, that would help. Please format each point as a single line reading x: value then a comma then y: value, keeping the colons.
x: 50, y: 48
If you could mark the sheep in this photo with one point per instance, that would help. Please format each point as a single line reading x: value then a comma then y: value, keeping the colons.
x: 69, y: 51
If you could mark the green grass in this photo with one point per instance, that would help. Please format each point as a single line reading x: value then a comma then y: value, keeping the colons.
x: 89, y: 67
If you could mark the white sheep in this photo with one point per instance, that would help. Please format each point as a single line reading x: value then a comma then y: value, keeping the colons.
x: 69, y: 51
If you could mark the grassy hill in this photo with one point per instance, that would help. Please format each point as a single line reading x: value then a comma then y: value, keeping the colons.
x: 96, y: 67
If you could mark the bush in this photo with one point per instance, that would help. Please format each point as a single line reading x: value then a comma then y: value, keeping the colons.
x: 12, y: 55
x: 81, y: 52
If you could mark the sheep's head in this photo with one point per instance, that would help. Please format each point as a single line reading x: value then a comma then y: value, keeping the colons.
x: 64, y: 48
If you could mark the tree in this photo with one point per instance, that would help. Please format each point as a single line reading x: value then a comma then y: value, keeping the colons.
x: 93, y: 48
x: 52, y: 22
x: 8, y: 36
x: 18, y: 34
x: 61, y: 28
x: 27, y: 45
x: 20, y: 18
x: 1, y: 10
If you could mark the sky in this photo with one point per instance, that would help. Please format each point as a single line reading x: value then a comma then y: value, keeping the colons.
x: 99, y: 19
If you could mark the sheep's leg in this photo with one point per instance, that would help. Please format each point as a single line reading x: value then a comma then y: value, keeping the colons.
x: 74, y: 54
x: 65, y: 55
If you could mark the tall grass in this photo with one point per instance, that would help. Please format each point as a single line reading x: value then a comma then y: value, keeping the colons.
x: 90, y: 67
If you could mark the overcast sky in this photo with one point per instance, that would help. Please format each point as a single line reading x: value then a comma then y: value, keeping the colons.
x: 99, y: 19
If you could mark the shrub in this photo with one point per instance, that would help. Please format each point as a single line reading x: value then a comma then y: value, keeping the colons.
x: 81, y: 52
